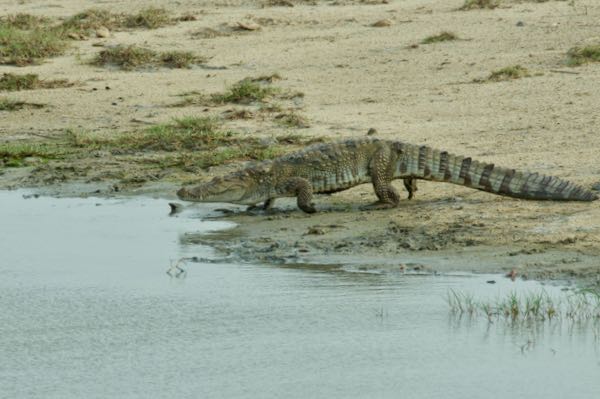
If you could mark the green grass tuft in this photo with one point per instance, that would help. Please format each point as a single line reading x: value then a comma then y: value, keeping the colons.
x: 30, y: 81
x: 26, y: 47
x: 134, y: 57
x: 24, y: 21
x: 582, y: 55
x: 292, y: 120
x: 180, y: 59
x: 14, y: 154
x: 86, y: 22
x: 509, y: 73
x: 150, y: 18
x: 245, y: 92
x: 479, y: 4
x: 442, y: 37
x: 91, y: 19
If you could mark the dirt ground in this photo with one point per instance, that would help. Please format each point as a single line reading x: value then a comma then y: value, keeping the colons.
x: 356, y: 76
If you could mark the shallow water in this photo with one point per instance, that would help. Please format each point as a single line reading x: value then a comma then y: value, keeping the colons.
x: 87, y: 310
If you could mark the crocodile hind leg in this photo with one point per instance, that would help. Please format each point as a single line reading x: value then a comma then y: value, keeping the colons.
x: 302, y: 190
x: 381, y: 176
x: 411, y: 186
x: 268, y: 204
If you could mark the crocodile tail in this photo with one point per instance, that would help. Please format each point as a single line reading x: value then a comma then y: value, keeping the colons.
x: 430, y: 164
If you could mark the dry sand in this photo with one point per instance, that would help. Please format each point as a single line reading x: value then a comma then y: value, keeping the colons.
x: 355, y: 77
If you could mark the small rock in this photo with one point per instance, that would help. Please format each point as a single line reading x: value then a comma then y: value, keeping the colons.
x: 315, y: 231
x: 520, y: 23
x: 372, y: 131
x: 102, y: 31
x: 491, y: 281
x: 74, y: 36
x: 248, y: 26
x: 382, y: 23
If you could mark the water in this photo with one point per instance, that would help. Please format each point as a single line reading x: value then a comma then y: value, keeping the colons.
x: 87, y: 311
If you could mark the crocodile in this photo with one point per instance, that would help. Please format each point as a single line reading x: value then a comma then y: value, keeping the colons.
x: 339, y: 165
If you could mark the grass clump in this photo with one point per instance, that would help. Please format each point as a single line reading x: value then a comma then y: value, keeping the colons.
x: 30, y: 81
x: 126, y: 57
x: 582, y: 55
x: 134, y: 57
x: 191, y: 133
x: 442, y: 37
x: 150, y: 18
x: 188, y: 143
x: 89, y: 20
x: 15, y: 154
x: 509, y: 73
x: 292, y: 120
x: 25, y: 47
x: 86, y: 22
x: 245, y: 91
x: 179, y: 59
x: 7, y: 104
x: 479, y: 4
x: 24, y: 21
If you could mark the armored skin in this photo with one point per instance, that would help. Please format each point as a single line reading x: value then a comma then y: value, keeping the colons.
x: 336, y: 166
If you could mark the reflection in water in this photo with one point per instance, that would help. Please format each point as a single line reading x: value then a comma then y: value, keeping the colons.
x: 88, y: 311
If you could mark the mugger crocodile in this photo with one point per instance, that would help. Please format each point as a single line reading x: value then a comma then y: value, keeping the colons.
x: 336, y: 166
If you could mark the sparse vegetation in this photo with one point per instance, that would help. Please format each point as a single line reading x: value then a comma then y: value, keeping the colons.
x: 189, y: 143
x: 150, y: 18
x: 535, y: 307
x: 245, y: 91
x: 134, y: 57
x: 24, y: 21
x: 442, y: 37
x: 208, y: 33
x: 8, y: 104
x: 86, y: 22
x: 251, y: 91
x: 509, y: 73
x: 14, y: 154
x: 126, y: 57
x: 179, y: 59
x: 15, y: 82
x: 479, y: 4
x: 292, y: 119
x: 581, y: 55
x: 25, y: 47
x: 192, y: 133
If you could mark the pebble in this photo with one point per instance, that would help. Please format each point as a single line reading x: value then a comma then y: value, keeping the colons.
x: 102, y: 31
x: 248, y: 25
x: 382, y: 23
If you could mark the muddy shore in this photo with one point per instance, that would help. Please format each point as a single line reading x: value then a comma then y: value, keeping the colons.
x: 353, y: 76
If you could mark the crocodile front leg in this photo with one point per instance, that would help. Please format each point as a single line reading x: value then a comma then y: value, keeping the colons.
x: 301, y: 189
x: 267, y: 205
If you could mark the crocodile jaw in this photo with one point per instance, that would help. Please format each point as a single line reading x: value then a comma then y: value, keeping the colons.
x: 213, y: 193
